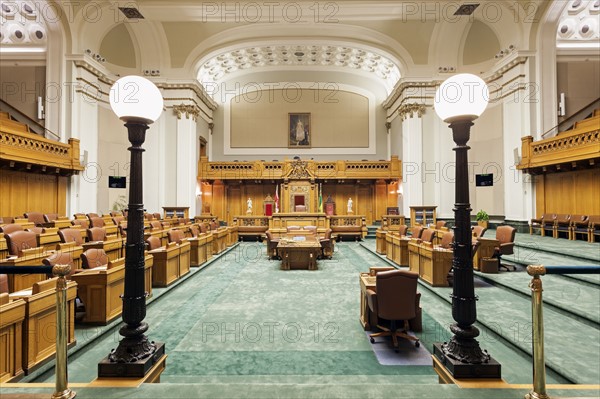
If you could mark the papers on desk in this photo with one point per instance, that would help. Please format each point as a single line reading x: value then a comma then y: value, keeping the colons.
x: 299, y: 238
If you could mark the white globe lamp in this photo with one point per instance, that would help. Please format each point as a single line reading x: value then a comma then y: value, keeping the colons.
x: 461, y: 97
x: 136, y: 99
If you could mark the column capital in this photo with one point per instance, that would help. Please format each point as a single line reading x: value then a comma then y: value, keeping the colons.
x: 188, y: 110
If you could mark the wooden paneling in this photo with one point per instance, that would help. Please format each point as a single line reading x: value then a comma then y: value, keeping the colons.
x: 25, y: 192
x: 574, y: 192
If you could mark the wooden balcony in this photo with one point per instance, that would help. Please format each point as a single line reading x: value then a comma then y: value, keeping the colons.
x: 275, y: 170
x: 570, y: 150
x: 22, y: 150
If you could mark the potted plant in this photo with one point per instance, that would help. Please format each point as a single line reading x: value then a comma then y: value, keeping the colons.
x: 482, y: 218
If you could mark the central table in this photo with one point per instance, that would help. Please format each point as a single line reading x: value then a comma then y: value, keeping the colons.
x: 299, y: 252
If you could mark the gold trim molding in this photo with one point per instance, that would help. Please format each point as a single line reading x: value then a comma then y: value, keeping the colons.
x: 408, y: 110
x: 188, y: 110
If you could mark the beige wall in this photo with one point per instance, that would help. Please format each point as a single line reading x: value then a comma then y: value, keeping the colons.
x: 21, y: 86
x: 337, y: 118
x: 580, y: 81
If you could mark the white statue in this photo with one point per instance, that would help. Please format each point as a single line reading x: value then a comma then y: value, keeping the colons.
x: 349, y: 204
x: 249, y: 205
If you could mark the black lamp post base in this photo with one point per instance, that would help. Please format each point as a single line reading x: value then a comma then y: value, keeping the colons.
x: 460, y: 370
x: 137, y: 369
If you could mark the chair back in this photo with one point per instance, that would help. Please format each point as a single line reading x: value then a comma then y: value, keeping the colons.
x: 427, y: 235
x: 36, y: 218
x: 18, y: 241
x: 79, y: 216
x: 50, y: 217
x: 70, y: 235
x: 505, y: 234
x: 153, y: 243
x: 194, y: 230
x: 563, y: 219
x: 156, y: 225
x: 116, y: 213
x: 290, y: 228
x: 10, y: 228
x: 96, y: 222
x: 580, y: 220
x: 327, y: 235
x: 7, y: 219
x: 92, y: 215
x: 396, y: 294
x: 36, y: 230
x: 214, y: 225
x: 175, y: 235
x: 96, y: 234
x: 117, y: 220
x: 3, y: 283
x: 402, y: 230
x: 312, y: 229
x: 123, y: 229
x: 60, y: 258
x: 440, y: 224
x: 416, y: 231
x: 156, y: 216
x: 148, y: 216
x: 81, y: 222
x: 479, y: 231
x: 94, y: 257
x: 447, y: 240
x: 594, y: 221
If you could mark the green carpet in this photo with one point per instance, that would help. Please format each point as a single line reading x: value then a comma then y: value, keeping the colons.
x: 242, y: 327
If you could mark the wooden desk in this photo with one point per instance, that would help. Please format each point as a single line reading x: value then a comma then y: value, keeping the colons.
x: 165, y: 269
x: 232, y: 235
x: 184, y: 258
x: 39, y: 337
x: 17, y: 282
x: 389, y: 246
x: 299, y: 254
x: 12, y: 315
x: 367, y: 319
x: 380, y: 241
x: 219, y: 240
x: 101, y: 289
x: 435, y: 264
x: 414, y: 260
x: 3, y: 248
x: 112, y: 247
x: 485, y: 251
x: 198, y: 249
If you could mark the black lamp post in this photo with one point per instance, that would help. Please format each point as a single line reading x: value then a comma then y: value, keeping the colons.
x: 138, y: 102
x: 459, y: 101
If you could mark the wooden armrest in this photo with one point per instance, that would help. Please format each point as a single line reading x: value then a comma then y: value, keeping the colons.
x: 372, y: 300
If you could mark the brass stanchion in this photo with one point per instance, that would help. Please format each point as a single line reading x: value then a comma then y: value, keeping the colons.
x: 62, y: 388
x: 537, y: 316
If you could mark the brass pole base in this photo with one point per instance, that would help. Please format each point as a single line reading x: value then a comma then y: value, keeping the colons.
x: 66, y: 394
x: 535, y: 395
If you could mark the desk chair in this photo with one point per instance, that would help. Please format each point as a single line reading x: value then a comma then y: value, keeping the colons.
x: 440, y: 224
x: 93, y: 258
x: 402, y: 230
x: 428, y: 235
x: 416, y: 231
x: 327, y: 245
x: 506, y: 238
x: 18, y: 241
x: 10, y: 228
x: 395, y: 300
x: 478, y: 231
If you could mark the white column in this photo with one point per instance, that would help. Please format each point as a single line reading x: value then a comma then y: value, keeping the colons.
x: 412, y: 158
x: 187, y: 148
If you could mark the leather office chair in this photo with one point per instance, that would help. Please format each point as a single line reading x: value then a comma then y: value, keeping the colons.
x: 115, y: 214
x: 594, y: 230
x: 506, y: 238
x: 70, y: 235
x: 7, y: 219
x: 96, y: 234
x: 50, y: 217
x: 156, y: 216
x: 402, y: 230
x: 175, y: 236
x: 11, y: 228
x: 327, y: 244
x: 36, y: 230
x: 396, y: 301
x: 447, y: 240
x: 97, y: 222
x: 428, y: 235
x: 272, y: 243
x: 84, y: 224
x: 416, y: 231
x: 562, y: 224
x: 117, y: 220
x: 580, y: 224
x: 214, y: 225
x: 36, y: 218
x: 123, y: 229
x: 547, y: 225
x: 194, y: 230
x: 79, y: 216
x: 61, y: 258
x: 155, y: 225
x: 440, y: 224
x: 148, y: 216
x: 153, y: 243
x: 18, y: 241
x: 478, y: 231
x: 92, y: 215
x: 93, y: 258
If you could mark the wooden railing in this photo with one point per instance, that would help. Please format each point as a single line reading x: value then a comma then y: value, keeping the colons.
x: 579, y: 145
x: 251, y: 220
x: 32, y: 149
x: 392, y: 222
x: 391, y: 169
